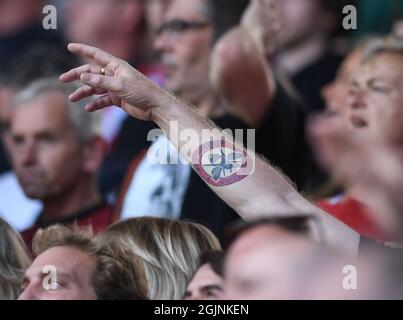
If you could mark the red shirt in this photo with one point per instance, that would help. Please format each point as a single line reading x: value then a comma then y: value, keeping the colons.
x: 354, y: 214
x: 98, y: 216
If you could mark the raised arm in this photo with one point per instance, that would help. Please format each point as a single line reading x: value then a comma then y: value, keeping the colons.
x: 247, y: 183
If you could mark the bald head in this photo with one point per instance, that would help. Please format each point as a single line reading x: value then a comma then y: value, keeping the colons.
x: 267, y: 263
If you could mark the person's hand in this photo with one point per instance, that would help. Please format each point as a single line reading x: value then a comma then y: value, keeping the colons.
x: 262, y: 20
x: 120, y: 85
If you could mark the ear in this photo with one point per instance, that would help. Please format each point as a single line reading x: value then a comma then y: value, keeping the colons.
x: 94, y: 154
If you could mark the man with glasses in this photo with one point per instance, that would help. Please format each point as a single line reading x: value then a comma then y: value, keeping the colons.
x: 183, y: 42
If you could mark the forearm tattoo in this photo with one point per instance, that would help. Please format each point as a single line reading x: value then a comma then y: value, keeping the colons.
x: 221, y: 163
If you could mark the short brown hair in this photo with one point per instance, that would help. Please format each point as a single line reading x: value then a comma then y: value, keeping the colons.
x: 62, y: 236
x: 116, y: 268
x: 296, y: 224
x: 119, y: 274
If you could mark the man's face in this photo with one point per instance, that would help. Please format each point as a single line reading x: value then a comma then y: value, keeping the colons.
x: 155, y: 10
x: 6, y: 96
x: 73, y: 279
x: 299, y: 19
x: 47, y: 156
x: 376, y: 95
x: 184, y: 45
x: 205, y: 285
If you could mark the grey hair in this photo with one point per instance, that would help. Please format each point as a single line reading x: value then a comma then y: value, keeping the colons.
x: 86, y: 125
x: 383, y: 45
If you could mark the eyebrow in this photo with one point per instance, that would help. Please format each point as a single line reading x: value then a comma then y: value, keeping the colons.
x: 378, y: 79
x: 212, y: 287
x: 204, y: 289
x: 64, y: 275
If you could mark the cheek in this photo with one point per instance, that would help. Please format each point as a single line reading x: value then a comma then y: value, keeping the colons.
x: 61, y: 163
x: 379, y: 107
x: 194, y: 52
x: 387, y: 112
x: 335, y: 94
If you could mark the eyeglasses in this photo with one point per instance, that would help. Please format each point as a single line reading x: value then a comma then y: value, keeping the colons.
x: 177, y: 26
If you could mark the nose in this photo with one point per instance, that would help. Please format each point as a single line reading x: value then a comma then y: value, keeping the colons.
x: 356, y: 99
x: 163, y: 43
x: 27, y: 154
x: 28, y: 294
x: 327, y: 93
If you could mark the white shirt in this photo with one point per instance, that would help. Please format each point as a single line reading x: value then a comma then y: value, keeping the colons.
x: 18, y: 210
x: 158, y: 185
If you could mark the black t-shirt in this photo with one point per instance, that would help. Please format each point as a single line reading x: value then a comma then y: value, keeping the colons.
x: 281, y: 139
x: 310, y: 81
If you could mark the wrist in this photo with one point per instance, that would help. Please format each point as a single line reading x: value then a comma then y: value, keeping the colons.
x: 165, y: 106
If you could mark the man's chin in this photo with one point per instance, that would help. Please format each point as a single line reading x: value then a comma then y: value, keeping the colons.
x: 34, y: 193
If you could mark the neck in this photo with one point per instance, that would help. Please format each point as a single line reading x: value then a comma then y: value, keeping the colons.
x: 294, y: 59
x: 68, y: 204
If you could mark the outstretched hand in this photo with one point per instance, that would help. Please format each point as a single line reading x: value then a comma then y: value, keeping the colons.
x: 263, y: 21
x: 120, y: 85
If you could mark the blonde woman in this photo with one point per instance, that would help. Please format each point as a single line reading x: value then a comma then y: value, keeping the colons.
x: 170, y: 250
x: 14, y: 260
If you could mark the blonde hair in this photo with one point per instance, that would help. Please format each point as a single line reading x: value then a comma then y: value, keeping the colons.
x: 14, y: 260
x: 59, y: 236
x: 390, y: 45
x: 170, y: 250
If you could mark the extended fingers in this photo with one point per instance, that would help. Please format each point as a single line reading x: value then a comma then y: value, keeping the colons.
x: 99, y: 103
x: 113, y: 84
x: 76, y: 73
x: 101, y: 57
x: 84, y: 92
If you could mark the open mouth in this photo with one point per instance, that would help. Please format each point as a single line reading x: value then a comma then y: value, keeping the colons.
x: 358, y: 122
